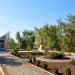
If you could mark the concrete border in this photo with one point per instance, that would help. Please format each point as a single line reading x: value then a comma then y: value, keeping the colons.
x: 42, y: 69
x: 3, y: 71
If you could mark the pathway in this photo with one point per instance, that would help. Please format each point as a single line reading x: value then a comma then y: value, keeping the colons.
x: 16, y: 66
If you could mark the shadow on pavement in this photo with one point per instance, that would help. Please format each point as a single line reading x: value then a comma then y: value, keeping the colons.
x: 10, y: 61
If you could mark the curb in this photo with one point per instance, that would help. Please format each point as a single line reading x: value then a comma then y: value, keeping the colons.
x: 42, y: 69
x: 3, y: 70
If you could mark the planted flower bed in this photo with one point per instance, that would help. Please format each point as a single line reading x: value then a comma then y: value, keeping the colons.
x: 62, y: 68
x: 57, y: 55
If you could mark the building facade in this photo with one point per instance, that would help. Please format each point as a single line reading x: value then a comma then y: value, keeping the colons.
x: 3, y: 42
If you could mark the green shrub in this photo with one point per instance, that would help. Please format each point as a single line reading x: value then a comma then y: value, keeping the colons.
x: 56, y: 71
x: 68, y: 71
x: 15, y: 51
x: 36, y: 53
x: 39, y: 53
x: 72, y: 62
x: 28, y: 57
x: 34, y: 59
x: 45, y: 66
x: 57, y: 55
x: 38, y: 63
x: 30, y: 60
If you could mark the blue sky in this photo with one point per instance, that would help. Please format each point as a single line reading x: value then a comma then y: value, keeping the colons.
x: 17, y: 15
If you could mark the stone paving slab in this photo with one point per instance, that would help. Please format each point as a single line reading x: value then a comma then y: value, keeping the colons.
x: 16, y: 66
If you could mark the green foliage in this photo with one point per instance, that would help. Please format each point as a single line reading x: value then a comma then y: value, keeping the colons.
x: 54, y: 37
x: 34, y: 59
x: 45, y: 66
x: 60, y: 37
x: 56, y: 71
x: 28, y: 57
x: 30, y: 60
x: 36, y: 53
x: 68, y: 71
x: 10, y: 43
x: 18, y: 37
x: 26, y: 40
x: 49, y: 37
x: 72, y: 62
x: 57, y: 55
x: 38, y: 63
x: 15, y: 51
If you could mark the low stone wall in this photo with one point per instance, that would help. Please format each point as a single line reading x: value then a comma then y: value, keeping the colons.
x: 24, y: 55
